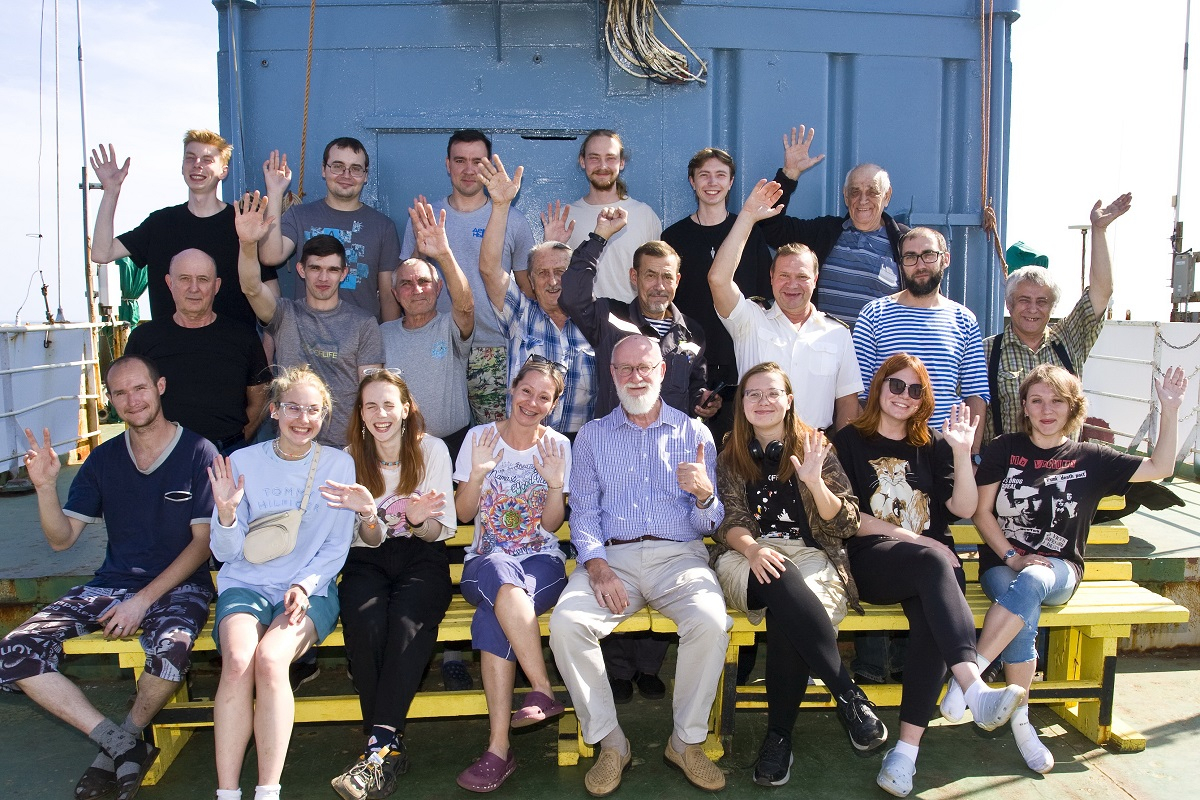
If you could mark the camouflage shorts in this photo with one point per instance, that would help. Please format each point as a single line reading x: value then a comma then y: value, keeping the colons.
x: 487, y: 388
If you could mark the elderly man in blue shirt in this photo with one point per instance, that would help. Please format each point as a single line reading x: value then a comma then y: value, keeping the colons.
x: 642, y: 502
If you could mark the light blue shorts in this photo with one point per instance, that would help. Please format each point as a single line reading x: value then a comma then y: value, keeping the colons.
x: 323, y: 611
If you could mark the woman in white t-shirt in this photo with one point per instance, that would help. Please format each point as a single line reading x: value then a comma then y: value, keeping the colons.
x: 512, y: 479
x: 396, y: 585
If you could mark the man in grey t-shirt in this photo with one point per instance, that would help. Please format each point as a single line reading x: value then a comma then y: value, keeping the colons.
x: 338, y: 340
x: 370, y: 238
x: 467, y: 210
x: 429, y: 347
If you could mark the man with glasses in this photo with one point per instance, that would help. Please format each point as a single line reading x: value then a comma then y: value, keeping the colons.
x: 203, y: 223
x: 923, y: 322
x: 643, y: 500
x: 858, y: 253
x: 1028, y: 338
x: 369, y: 237
x: 337, y: 339
x: 467, y: 210
x: 813, y: 348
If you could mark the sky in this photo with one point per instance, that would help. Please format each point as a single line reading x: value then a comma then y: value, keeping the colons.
x: 1095, y: 112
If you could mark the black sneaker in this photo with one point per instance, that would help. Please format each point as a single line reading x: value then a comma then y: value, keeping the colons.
x: 622, y: 690
x: 301, y: 672
x: 857, y: 714
x: 649, y: 686
x: 774, y: 765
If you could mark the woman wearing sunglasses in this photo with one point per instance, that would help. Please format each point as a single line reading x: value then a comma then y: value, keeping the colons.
x: 512, y: 481
x: 1038, y: 491
x: 273, y: 603
x: 911, y: 482
x: 781, y: 553
x: 396, y: 585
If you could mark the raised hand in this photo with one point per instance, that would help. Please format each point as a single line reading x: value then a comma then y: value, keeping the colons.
x: 692, y: 476
x: 484, y: 456
x: 1170, y: 389
x: 429, y: 229
x: 353, y: 496
x: 276, y: 174
x: 250, y: 218
x: 610, y: 220
x: 1101, y: 218
x: 500, y: 187
x: 227, y: 493
x: 761, y: 203
x: 41, y: 462
x: 815, y: 447
x: 554, y: 222
x: 550, y: 461
x: 105, y: 165
x: 959, y: 428
x: 795, y: 152
x: 423, y: 506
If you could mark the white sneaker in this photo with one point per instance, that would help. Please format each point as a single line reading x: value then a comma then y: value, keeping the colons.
x: 896, y: 774
x: 1037, y: 756
x: 994, y: 706
x: 954, y: 704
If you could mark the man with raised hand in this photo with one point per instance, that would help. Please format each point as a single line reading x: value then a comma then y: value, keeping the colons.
x: 337, y: 339
x: 370, y: 238
x: 642, y: 502
x: 150, y: 486
x: 204, y: 223
x: 814, y: 349
x: 602, y: 158
x: 858, y: 253
x: 537, y: 328
x: 215, y: 367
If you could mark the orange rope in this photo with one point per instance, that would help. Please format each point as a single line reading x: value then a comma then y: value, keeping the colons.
x: 298, y: 195
x: 990, y: 224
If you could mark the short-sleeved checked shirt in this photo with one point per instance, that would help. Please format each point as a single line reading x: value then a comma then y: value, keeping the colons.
x: 1077, y: 332
x: 529, y: 330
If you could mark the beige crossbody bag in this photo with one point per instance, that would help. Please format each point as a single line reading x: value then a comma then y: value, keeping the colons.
x: 274, y: 535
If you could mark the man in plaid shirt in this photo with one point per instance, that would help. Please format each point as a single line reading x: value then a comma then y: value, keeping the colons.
x: 1028, y: 338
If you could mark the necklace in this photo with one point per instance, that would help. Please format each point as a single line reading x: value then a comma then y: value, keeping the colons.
x: 383, y: 463
x: 288, y: 456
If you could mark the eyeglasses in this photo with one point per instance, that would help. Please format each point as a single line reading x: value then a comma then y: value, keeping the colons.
x: 538, y: 358
x: 625, y: 370
x: 897, y: 386
x: 369, y: 371
x: 756, y: 396
x: 338, y: 168
x: 295, y: 410
x: 928, y: 256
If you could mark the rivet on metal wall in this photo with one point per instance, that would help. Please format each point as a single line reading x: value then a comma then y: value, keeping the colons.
x: 537, y: 58
x: 263, y: 63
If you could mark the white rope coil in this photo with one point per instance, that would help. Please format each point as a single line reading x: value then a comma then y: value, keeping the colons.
x: 629, y: 34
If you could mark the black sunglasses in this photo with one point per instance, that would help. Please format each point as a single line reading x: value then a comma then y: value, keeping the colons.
x: 897, y: 386
x: 538, y: 358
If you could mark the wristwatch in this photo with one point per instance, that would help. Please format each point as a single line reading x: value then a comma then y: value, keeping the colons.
x: 712, y: 498
x: 1010, y: 554
x: 976, y: 459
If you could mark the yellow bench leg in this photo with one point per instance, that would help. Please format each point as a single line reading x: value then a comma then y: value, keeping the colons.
x: 1075, y: 655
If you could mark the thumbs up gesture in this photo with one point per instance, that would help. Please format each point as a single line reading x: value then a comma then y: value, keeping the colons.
x: 693, y: 477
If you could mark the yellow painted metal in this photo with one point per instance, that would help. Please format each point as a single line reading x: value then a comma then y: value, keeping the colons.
x: 1125, y: 738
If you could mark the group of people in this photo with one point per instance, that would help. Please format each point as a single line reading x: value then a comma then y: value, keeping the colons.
x: 824, y: 440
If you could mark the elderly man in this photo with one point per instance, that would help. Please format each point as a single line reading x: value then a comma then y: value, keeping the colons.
x: 431, y: 348
x: 215, y: 366
x: 642, y: 502
x: 150, y: 486
x: 1028, y: 338
x: 858, y: 253
x: 815, y: 350
x: 537, y: 328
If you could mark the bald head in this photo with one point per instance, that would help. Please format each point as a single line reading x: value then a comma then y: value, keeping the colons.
x: 192, y: 279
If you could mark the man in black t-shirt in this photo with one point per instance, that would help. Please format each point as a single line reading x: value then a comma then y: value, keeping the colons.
x: 215, y: 366
x: 204, y: 223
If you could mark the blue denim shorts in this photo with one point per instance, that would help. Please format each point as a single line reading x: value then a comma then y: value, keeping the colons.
x: 323, y: 611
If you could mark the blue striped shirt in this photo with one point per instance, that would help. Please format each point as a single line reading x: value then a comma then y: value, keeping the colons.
x: 623, y: 482
x: 860, y: 268
x: 530, y: 330
x: 945, y: 338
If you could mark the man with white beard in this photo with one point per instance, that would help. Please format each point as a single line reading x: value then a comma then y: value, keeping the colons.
x: 643, y: 499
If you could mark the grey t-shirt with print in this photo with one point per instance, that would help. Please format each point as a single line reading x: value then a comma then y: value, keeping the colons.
x: 433, y: 360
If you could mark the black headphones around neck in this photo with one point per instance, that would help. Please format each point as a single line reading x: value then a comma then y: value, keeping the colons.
x: 773, y: 454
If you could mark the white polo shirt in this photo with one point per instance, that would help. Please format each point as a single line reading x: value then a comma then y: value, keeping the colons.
x: 818, y: 357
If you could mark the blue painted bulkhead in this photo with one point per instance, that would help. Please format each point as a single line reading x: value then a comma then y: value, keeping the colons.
x: 897, y: 83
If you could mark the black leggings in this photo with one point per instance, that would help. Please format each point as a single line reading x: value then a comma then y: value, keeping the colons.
x: 393, y: 598
x: 924, y: 579
x: 801, y: 641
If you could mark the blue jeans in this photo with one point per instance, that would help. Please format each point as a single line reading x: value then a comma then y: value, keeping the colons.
x: 1024, y: 593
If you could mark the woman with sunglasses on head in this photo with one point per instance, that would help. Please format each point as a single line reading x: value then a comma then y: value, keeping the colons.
x: 396, y: 585
x: 788, y: 511
x: 1038, y: 491
x: 911, y: 481
x: 512, y: 478
x: 274, y: 602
